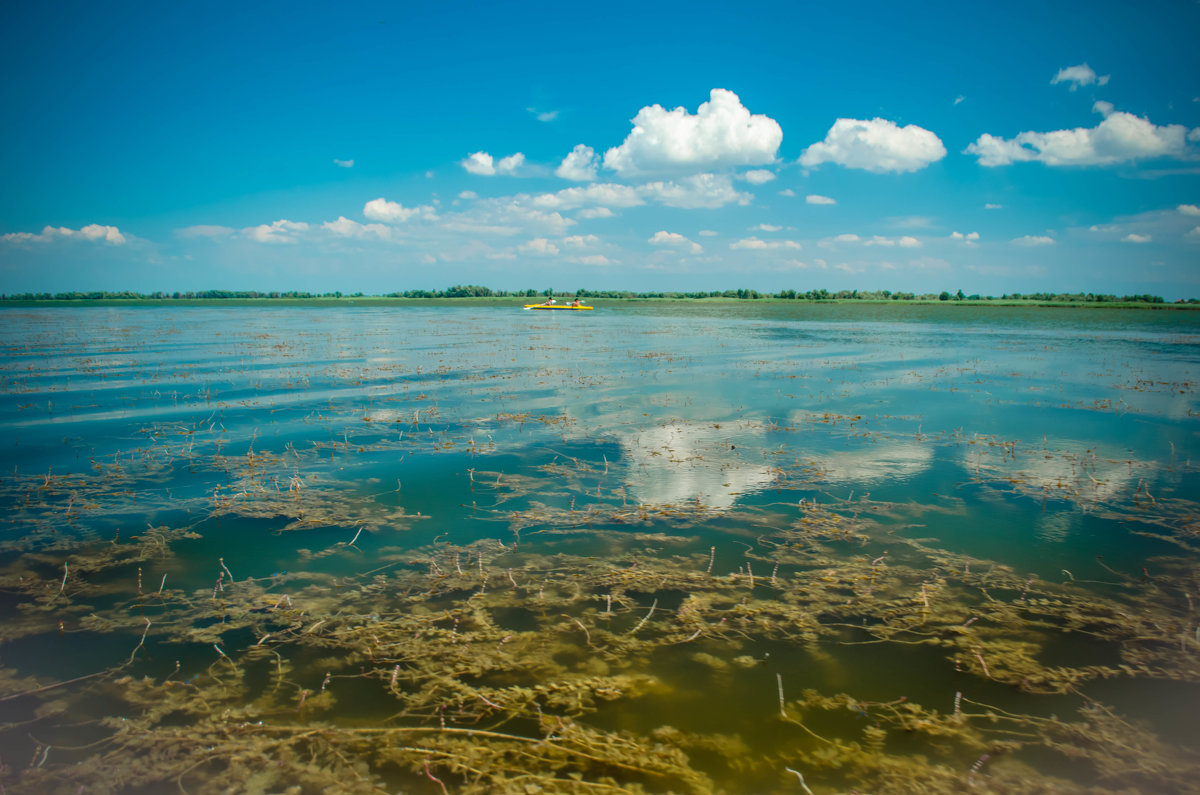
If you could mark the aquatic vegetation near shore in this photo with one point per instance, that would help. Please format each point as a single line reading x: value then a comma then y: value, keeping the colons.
x: 420, y: 595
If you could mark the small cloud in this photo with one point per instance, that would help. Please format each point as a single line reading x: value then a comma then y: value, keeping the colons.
x: 578, y: 241
x: 909, y: 242
x: 1081, y: 75
x: 990, y: 206
x: 393, y: 212
x: 787, y: 192
x: 510, y: 164
x: 343, y: 163
x: 814, y: 198
x: 479, y: 163
x: 107, y: 234
x: 539, y: 246
x: 1033, y: 240
x: 580, y: 164
x: 969, y: 238
x: 876, y: 145
x: 721, y: 133
x: 468, y: 195
x: 281, y: 231
x: 596, y: 212
x: 482, y: 164
x: 1135, y: 238
x: 755, y: 244
x: 344, y: 227
x: 959, y: 99
x: 543, y: 115
x: 766, y: 228
x: 708, y: 233
x: 665, y: 238
x: 758, y: 176
x: 842, y: 238
x: 1188, y: 209
x: 593, y: 259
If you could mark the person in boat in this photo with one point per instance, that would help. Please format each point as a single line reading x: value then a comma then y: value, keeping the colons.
x: 576, y: 302
x: 549, y: 301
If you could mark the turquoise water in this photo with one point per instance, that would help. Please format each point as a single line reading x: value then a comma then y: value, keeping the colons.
x: 655, y: 547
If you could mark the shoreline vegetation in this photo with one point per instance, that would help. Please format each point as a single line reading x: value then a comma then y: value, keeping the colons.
x: 476, y: 292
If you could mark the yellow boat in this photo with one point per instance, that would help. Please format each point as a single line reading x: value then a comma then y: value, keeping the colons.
x: 558, y: 306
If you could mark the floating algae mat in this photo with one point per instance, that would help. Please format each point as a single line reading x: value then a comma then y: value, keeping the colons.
x: 657, y: 548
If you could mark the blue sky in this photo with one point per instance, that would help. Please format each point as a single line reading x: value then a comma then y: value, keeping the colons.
x: 688, y: 146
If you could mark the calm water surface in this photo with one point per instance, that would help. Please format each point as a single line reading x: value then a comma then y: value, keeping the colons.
x: 651, y: 548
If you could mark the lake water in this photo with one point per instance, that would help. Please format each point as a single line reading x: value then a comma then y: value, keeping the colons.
x: 651, y: 548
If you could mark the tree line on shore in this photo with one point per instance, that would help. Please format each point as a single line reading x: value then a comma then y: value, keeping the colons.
x: 476, y: 291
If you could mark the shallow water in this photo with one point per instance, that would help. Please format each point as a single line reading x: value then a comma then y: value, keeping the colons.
x: 656, y: 547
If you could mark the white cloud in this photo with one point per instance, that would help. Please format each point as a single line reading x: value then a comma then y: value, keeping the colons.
x: 878, y: 240
x: 1081, y: 75
x: 908, y: 241
x: 708, y: 233
x: 1194, y: 233
x: 596, y: 212
x: 1188, y: 209
x: 990, y: 206
x: 959, y: 99
x: 109, y: 234
x: 665, y: 238
x: 281, y: 231
x: 766, y: 228
x: 877, y: 145
x: 758, y: 176
x: 592, y: 259
x: 204, y: 230
x: 605, y: 194
x: 814, y: 198
x: 540, y: 246
x: 1121, y: 137
x: 842, y: 238
x: 344, y: 227
x: 579, y: 241
x: 507, y: 216
x: 1135, y: 238
x: 479, y: 163
x: 1033, y: 240
x: 787, y: 192
x: 468, y: 195
x: 755, y: 244
x: 510, y: 164
x: 543, y: 115
x: 343, y: 163
x: 580, y: 164
x: 721, y: 134
x: 393, y: 212
x: 98, y: 232
x: 701, y: 191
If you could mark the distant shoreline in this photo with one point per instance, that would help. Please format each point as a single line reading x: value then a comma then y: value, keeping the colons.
x: 513, y: 300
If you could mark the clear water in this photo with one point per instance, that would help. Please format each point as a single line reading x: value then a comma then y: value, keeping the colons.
x: 655, y: 547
